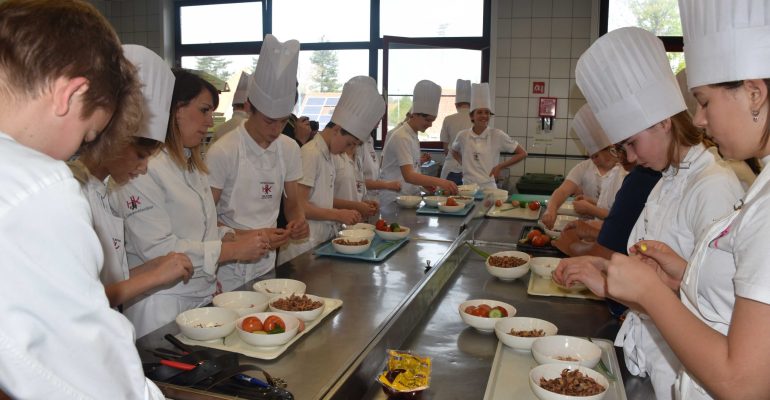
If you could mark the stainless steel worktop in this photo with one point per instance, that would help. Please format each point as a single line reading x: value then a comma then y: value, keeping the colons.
x: 399, y: 304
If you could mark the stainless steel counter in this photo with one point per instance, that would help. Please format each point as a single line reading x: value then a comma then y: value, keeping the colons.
x: 398, y: 304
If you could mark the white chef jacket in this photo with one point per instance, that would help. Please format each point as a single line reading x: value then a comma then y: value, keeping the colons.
x: 60, y: 339
x: 745, y: 175
x: 349, y: 183
x: 679, y: 209
x: 587, y: 177
x: 251, y: 179
x: 452, y: 125
x: 169, y: 210
x: 318, y: 173
x: 230, y: 125
x: 730, y: 259
x: 369, y: 160
x: 480, y: 153
x: 401, y: 148
x: 610, y: 184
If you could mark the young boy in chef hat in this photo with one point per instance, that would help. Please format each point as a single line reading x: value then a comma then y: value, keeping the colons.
x: 401, y: 153
x: 357, y: 113
x: 97, y: 172
x: 717, y: 322
x: 452, y: 125
x: 478, y: 149
x: 239, y: 110
x: 63, y: 76
x: 251, y: 169
x: 587, y: 179
x: 627, y: 80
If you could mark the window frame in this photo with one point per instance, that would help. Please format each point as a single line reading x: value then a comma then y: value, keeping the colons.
x: 374, y: 45
x: 673, y: 44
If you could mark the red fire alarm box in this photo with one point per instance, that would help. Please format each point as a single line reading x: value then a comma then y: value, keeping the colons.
x: 547, y: 107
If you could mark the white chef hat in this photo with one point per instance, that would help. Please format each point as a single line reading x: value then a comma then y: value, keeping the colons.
x: 689, y: 99
x: 727, y: 40
x: 239, y: 97
x: 274, y: 82
x: 426, y: 98
x: 480, y: 96
x: 627, y: 80
x: 590, y: 132
x: 157, y: 88
x: 463, y: 92
x: 360, y: 107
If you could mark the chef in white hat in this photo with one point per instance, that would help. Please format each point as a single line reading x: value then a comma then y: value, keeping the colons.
x: 452, y: 125
x: 626, y: 78
x: 356, y: 114
x: 401, y: 153
x: 239, y: 112
x: 718, y: 320
x: 253, y: 168
x: 99, y: 171
x: 478, y: 149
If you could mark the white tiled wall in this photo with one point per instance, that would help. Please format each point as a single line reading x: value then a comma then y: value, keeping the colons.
x: 137, y: 21
x: 540, y: 40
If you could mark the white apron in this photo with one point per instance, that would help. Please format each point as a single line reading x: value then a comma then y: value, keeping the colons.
x: 349, y: 184
x: 109, y: 228
x: 389, y: 171
x: 254, y: 202
x: 474, y: 168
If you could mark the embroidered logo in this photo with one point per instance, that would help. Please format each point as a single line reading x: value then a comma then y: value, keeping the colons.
x: 133, y: 202
x: 359, y: 187
x: 116, y: 243
x: 715, y: 243
x: 267, y: 190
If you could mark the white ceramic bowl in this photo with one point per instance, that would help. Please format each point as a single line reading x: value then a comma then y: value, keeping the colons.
x: 445, y: 208
x: 552, y: 371
x: 408, y: 201
x: 467, y: 190
x: 504, y: 326
x: 483, y: 324
x: 303, y: 315
x: 463, y: 199
x: 263, y: 340
x: 508, y: 274
x: 362, y: 225
x: 497, y: 194
x: 207, y: 323
x: 558, y: 225
x: 280, y: 286
x: 339, y: 247
x: 393, y: 235
x: 548, y: 350
x: 357, y: 233
x: 544, y: 266
x: 432, y: 201
x: 243, y: 302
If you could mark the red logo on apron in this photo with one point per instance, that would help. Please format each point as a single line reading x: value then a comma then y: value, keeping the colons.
x: 266, y: 189
x: 133, y: 202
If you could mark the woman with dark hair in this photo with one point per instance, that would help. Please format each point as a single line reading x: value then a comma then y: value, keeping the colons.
x: 171, y: 209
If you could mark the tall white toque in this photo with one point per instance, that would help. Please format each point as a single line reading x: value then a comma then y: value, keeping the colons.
x: 480, y: 97
x: 274, y: 82
x: 463, y: 91
x: 239, y: 97
x: 427, y: 96
x: 725, y: 40
x: 157, y: 89
x: 589, y: 131
x: 627, y: 80
x: 360, y: 107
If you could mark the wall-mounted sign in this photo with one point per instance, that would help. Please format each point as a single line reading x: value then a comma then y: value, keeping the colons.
x: 538, y: 87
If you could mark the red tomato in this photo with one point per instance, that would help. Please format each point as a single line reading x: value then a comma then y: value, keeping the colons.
x: 534, y: 205
x: 381, y: 225
x: 498, y: 203
x: 484, y: 309
x: 451, y: 201
x: 272, y: 321
x: 251, y: 324
x: 541, y: 240
x: 502, y: 311
x: 470, y: 309
x: 533, y: 234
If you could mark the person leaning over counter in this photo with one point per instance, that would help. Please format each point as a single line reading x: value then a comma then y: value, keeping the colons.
x: 60, y: 338
x: 478, y: 149
x: 171, y: 209
x: 452, y: 125
x: 357, y: 113
x: 627, y: 80
x: 239, y: 110
x: 401, y: 154
x: 252, y: 169
x: 99, y: 171
x: 715, y: 310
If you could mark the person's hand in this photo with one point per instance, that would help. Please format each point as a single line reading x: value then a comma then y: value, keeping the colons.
x: 251, y: 245
x: 229, y: 237
x: 667, y: 263
x: 429, y: 190
x: 449, y: 187
x: 589, y: 270
x: 583, y: 207
x: 583, y: 230
x: 630, y: 280
x: 171, y: 268
x: 424, y: 157
x: 495, y: 173
x: 348, y: 217
x: 277, y: 237
x: 549, y: 217
x: 298, y: 229
x: 374, y: 205
x: 366, y: 208
x: 393, y: 185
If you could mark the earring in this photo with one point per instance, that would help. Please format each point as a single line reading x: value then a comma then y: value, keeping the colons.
x: 755, y: 115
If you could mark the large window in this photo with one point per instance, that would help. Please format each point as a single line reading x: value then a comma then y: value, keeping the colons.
x: 339, y: 39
